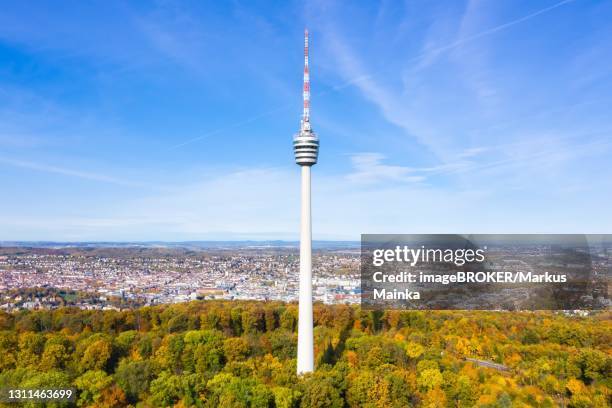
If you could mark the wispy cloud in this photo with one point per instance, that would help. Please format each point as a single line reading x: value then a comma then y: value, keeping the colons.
x: 429, y: 52
x: 45, y: 168
x: 175, y: 34
x: 232, y: 126
x: 369, y: 168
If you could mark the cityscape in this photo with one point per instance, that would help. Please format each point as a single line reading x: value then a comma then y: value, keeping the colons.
x: 103, y: 276
x: 138, y: 276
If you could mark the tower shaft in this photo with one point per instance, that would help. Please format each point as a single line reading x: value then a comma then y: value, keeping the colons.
x: 305, y: 351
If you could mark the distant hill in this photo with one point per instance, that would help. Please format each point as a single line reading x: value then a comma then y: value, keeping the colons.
x: 181, y: 244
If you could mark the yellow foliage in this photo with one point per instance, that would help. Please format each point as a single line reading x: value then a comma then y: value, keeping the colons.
x: 352, y: 358
x: 135, y: 355
x: 434, y: 398
x: 414, y: 350
x: 486, y: 399
x: 535, y: 393
x: 575, y: 387
x: 513, y: 360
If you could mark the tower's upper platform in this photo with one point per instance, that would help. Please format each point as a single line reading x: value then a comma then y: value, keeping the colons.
x: 306, y: 147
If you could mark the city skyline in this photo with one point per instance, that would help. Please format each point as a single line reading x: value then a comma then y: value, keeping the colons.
x: 469, y: 117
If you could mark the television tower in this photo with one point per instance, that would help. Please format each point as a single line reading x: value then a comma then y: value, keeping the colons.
x: 306, y: 149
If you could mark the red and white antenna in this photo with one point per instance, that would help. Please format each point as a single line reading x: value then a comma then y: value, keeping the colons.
x: 306, y: 116
x: 306, y: 142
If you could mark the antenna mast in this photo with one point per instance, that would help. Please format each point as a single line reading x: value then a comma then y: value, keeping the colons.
x: 306, y: 114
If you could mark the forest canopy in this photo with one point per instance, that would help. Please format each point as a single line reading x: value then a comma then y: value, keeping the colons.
x: 242, y: 354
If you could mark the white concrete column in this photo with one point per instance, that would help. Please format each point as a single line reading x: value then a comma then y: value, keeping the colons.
x: 305, y: 351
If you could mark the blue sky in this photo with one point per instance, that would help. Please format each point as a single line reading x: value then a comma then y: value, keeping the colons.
x: 173, y: 120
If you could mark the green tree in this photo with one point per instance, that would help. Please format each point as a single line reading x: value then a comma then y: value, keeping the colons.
x: 236, y: 348
x: 166, y: 390
x: 430, y: 378
x: 123, y: 343
x: 91, y: 385
x: 55, y: 355
x: 226, y: 390
x: 31, y: 347
x: 96, y: 355
x: 414, y: 350
x: 288, y: 319
x: 285, y: 397
x: 50, y: 379
x: 320, y: 393
x: 592, y: 364
x: 134, y: 378
x: 8, y: 350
